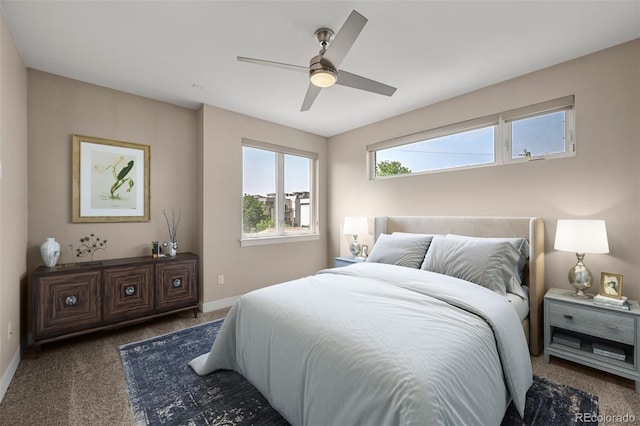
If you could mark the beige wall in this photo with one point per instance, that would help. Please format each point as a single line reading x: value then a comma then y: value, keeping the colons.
x: 13, y: 203
x: 602, y: 181
x: 196, y: 159
x: 59, y: 107
x: 247, y: 268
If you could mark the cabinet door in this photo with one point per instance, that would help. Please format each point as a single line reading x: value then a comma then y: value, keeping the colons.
x: 176, y: 284
x: 66, y: 303
x: 128, y: 292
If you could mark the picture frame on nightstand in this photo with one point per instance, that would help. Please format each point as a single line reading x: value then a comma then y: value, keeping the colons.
x: 611, y: 285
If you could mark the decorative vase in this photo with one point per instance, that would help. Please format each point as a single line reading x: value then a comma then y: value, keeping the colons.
x: 174, y: 248
x: 50, y: 252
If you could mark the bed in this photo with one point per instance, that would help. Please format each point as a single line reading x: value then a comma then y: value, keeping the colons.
x: 400, y: 341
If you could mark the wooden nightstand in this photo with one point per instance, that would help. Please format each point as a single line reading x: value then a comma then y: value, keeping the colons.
x: 573, y: 327
x: 346, y: 261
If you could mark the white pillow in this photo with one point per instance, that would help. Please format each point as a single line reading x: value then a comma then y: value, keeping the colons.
x: 515, y: 283
x: 400, y: 249
x: 481, y: 261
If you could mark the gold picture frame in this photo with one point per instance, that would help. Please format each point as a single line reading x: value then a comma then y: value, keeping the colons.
x: 110, y: 181
x: 611, y: 285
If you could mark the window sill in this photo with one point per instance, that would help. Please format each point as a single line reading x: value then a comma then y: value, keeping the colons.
x: 280, y: 239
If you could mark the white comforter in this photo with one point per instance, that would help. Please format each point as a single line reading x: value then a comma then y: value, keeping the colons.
x: 376, y: 344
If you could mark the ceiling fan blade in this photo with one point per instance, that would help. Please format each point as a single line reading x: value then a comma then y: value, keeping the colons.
x: 345, y: 38
x: 358, y: 82
x: 312, y: 94
x: 274, y: 64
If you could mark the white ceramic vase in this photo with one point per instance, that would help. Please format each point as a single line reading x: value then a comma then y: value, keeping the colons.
x: 174, y: 248
x: 50, y: 252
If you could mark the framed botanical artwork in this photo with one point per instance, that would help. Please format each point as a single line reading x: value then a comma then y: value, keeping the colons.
x: 611, y: 285
x: 110, y: 181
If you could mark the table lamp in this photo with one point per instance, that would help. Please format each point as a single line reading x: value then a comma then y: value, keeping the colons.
x: 581, y: 236
x: 355, y: 226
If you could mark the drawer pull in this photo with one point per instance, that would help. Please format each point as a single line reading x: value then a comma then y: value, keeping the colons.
x: 70, y: 300
x: 129, y: 290
x: 177, y: 283
x: 569, y: 317
x: 611, y: 326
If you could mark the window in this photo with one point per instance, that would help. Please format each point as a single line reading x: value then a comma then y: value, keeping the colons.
x: 541, y: 131
x: 465, y: 148
x: 538, y: 131
x: 278, y: 188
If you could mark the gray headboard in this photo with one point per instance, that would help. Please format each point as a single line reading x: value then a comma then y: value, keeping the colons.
x: 531, y: 228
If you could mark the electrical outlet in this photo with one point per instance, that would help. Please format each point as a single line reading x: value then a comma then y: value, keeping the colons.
x: 220, y: 279
x: 10, y: 330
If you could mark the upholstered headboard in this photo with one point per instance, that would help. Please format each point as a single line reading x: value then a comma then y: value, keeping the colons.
x: 531, y: 228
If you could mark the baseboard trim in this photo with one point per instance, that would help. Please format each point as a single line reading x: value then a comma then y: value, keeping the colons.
x: 5, y: 381
x: 218, y: 304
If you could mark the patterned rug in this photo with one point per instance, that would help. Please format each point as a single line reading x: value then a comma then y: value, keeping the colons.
x: 163, y: 390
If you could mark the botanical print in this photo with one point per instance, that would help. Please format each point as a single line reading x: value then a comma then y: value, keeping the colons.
x: 112, y: 180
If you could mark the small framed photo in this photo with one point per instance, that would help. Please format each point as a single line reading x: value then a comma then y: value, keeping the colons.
x: 611, y: 285
x: 365, y: 251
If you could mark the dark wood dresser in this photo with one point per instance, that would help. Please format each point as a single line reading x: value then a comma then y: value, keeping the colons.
x: 71, y: 300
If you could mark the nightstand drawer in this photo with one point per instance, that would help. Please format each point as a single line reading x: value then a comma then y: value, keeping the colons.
x: 617, y: 328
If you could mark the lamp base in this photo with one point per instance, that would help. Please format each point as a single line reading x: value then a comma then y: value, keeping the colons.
x: 580, y: 278
x: 355, y: 246
x: 581, y: 295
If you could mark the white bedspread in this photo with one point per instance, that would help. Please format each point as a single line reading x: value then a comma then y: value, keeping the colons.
x: 369, y: 344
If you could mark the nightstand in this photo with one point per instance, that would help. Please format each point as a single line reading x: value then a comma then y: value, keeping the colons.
x: 573, y: 327
x: 346, y: 261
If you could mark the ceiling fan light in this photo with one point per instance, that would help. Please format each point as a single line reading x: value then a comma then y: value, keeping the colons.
x: 323, y: 77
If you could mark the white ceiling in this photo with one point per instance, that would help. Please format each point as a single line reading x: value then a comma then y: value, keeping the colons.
x: 185, y: 52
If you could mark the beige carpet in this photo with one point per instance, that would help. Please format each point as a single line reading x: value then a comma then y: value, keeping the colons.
x: 80, y: 381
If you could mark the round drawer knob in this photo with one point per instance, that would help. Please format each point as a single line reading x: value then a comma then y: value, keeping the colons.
x: 129, y: 290
x: 177, y: 283
x: 70, y: 300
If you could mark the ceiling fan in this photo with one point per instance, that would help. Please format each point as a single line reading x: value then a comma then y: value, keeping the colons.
x: 324, y: 69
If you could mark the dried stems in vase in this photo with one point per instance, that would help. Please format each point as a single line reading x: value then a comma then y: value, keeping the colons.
x: 173, y: 226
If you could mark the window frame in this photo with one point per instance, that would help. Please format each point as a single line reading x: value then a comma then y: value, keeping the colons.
x: 281, y: 236
x: 566, y: 104
x: 502, y: 136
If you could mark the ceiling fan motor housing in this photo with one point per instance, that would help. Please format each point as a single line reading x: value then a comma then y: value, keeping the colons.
x: 324, y: 36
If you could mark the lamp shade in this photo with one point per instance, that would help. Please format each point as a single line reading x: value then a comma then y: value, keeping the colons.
x: 581, y: 236
x: 356, y: 226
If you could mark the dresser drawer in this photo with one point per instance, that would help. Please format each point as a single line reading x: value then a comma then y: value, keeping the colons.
x: 606, y: 325
x: 176, y: 285
x: 128, y: 292
x: 67, y: 303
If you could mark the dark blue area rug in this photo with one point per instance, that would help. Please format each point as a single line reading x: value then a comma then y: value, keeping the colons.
x: 550, y: 403
x: 164, y: 390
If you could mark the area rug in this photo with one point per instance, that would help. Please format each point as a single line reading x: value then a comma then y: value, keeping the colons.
x: 163, y: 390
x: 550, y: 403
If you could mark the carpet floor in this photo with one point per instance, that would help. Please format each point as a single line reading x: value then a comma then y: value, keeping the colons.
x: 80, y: 381
x: 163, y: 390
